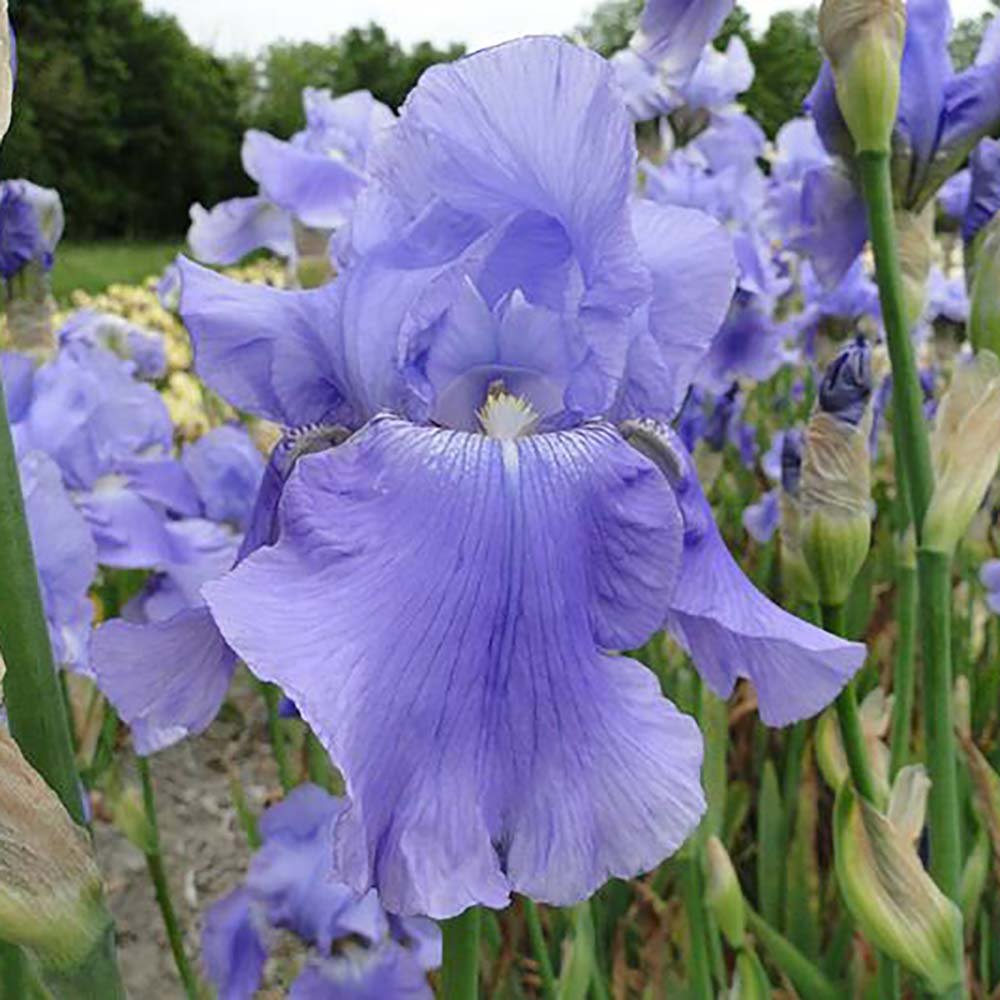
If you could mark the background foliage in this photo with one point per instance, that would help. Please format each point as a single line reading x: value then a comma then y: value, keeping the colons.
x: 132, y: 122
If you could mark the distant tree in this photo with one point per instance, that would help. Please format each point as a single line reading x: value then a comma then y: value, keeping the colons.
x: 610, y: 26
x: 966, y: 38
x: 787, y: 58
x: 360, y: 59
x: 120, y: 112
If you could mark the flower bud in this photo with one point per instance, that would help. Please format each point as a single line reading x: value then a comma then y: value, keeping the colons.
x: 984, y: 316
x: 895, y: 902
x: 6, y: 70
x: 795, y: 572
x: 723, y: 894
x: 965, y: 449
x: 863, y: 39
x: 50, y: 888
x: 915, y: 238
x: 908, y: 801
x: 835, y: 521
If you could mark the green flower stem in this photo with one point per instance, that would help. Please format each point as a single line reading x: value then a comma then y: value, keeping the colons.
x: 157, y: 872
x: 934, y: 572
x: 14, y: 971
x: 850, y: 721
x: 279, y: 745
x: 807, y: 978
x: 700, y: 973
x: 911, y: 439
x: 460, y: 960
x: 540, y: 948
x: 33, y: 699
x: 933, y: 569
x: 902, y: 671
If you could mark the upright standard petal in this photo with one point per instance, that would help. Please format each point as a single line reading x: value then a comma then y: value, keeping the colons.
x: 272, y: 353
x: 316, y: 188
x: 673, y: 33
x: 731, y: 629
x: 232, y: 229
x: 690, y: 257
x: 460, y: 592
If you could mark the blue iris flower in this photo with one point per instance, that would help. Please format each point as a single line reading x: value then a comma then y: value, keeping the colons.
x: 507, y: 507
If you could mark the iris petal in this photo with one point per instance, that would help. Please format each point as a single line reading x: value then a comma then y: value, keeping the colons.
x: 232, y: 229
x: 438, y: 605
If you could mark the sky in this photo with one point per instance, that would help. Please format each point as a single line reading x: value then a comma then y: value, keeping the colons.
x: 247, y: 25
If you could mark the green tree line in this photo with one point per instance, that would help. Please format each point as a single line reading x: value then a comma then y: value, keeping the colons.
x: 132, y: 122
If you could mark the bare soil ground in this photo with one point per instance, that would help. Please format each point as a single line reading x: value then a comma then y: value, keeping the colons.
x: 205, y: 850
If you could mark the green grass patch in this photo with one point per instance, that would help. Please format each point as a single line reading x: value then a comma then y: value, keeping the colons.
x: 92, y: 267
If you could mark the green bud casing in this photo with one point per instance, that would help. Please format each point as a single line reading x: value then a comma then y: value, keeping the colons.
x: 50, y: 888
x: 863, y: 39
x: 894, y: 900
x: 984, y: 302
x: 723, y: 894
x: 965, y: 448
x: 835, y: 518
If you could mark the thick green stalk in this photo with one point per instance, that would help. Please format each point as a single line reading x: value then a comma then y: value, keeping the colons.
x: 460, y: 960
x: 700, y: 973
x: 36, y: 714
x: 14, y: 971
x: 807, y: 978
x: 157, y: 872
x: 539, y: 948
x: 934, y: 569
x: 902, y: 671
x: 912, y: 439
x: 851, y: 733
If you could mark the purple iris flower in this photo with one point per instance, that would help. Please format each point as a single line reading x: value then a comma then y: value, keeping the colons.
x: 164, y: 665
x: 31, y: 226
x: 144, y: 348
x: 65, y: 555
x: 226, y: 468
x: 846, y: 386
x: 669, y: 49
x: 311, y: 180
x: 954, y: 194
x: 750, y: 343
x: 719, y: 77
x: 111, y: 437
x: 989, y: 576
x: 357, y: 949
x: 942, y: 116
x: 984, y: 189
x: 458, y: 571
x: 761, y: 519
x: 673, y: 34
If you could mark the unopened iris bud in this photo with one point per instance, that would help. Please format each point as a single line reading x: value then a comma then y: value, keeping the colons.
x: 797, y: 577
x: 836, y: 475
x: 724, y: 896
x: 895, y: 902
x: 875, y: 714
x: 984, y: 316
x: 50, y: 888
x: 965, y: 449
x: 863, y: 39
x: 915, y: 238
